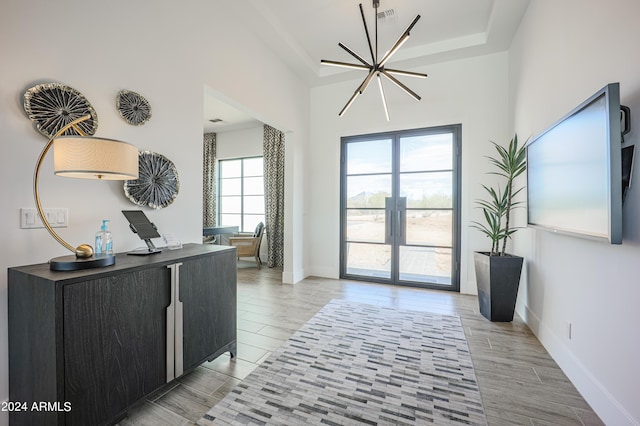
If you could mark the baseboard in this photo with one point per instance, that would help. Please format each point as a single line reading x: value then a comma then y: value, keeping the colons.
x: 611, y: 412
x: 292, y: 277
x: 468, y: 287
x: 325, y: 272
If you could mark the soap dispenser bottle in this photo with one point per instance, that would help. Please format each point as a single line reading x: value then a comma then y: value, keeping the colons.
x: 104, y: 242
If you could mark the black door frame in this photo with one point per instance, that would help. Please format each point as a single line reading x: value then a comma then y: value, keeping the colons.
x: 456, y: 131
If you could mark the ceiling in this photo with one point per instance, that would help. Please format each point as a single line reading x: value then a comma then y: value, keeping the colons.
x: 233, y: 117
x: 301, y: 33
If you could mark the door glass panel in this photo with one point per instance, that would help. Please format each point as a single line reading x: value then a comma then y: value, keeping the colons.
x: 365, y: 225
x: 427, y: 190
x: 429, y: 227
x: 426, y: 152
x: 369, y: 157
x: 368, y: 191
x: 369, y: 260
x: 425, y: 264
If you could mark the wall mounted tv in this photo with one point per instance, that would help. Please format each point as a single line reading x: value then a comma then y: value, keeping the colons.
x: 574, y: 171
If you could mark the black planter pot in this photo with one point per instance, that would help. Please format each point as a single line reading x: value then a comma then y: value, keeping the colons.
x: 498, y: 279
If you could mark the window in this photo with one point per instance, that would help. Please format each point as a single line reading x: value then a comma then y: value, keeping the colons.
x: 241, y: 193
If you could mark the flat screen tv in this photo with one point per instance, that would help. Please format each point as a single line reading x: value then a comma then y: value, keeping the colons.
x: 574, y: 171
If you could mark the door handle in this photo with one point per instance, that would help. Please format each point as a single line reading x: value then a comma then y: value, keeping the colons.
x: 402, y: 221
x: 388, y: 220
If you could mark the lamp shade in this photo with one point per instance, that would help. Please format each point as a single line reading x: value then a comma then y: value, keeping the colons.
x: 94, y: 158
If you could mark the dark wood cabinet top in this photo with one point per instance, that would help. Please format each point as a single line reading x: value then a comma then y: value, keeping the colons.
x: 124, y: 263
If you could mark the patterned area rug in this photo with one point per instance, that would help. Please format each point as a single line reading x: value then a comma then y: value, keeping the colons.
x: 357, y: 364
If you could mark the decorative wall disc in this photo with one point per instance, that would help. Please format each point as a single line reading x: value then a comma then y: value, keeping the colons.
x: 157, y: 184
x: 53, y: 105
x: 133, y: 107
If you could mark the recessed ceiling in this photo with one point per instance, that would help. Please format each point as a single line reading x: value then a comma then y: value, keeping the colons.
x: 302, y: 32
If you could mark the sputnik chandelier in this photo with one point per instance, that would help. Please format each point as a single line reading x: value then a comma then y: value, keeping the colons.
x: 377, y: 68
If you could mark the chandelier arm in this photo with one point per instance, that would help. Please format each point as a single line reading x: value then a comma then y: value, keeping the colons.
x: 376, y: 3
x: 407, y: 73
x: 366, y: 82
x: 360, y: 90
x: 384, y: 99
x: 400, y: 85
x: 401, y: 40
x: 348, y: 104
x: 345, y: 64
x: 366, y: 30
x: 412, y: 24
x: 355, y: 55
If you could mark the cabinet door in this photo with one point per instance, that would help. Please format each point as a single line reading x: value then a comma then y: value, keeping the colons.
x: 208, y: 293
x: 114, y: 342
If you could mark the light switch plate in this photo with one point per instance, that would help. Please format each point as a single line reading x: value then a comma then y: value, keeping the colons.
x: 57, y: 218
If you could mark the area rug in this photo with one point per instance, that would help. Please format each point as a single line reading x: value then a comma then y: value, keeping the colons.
x: 358, y: 364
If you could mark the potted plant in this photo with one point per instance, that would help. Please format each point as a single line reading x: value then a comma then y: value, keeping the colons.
x: 497, y: 272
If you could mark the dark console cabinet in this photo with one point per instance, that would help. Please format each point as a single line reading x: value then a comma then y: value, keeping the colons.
x: 92, y: 343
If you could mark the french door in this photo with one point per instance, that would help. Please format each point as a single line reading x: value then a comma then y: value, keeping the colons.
x: 400, y: 218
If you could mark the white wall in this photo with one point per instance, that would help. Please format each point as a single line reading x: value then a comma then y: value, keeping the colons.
x: 239, y: 143
x: 564, y: 52
x: 168, y: 52
x: 472, y: 92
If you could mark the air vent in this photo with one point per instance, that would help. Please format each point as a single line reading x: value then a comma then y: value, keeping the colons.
x: 388, y: 14
x: 216, y: 120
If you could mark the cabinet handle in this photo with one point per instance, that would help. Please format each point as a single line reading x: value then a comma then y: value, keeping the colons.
x: 179, y: 342
x: 174, y: 326
x: 171, y: 320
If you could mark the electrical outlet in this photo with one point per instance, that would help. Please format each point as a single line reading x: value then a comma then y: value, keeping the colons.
x: 57, y: 218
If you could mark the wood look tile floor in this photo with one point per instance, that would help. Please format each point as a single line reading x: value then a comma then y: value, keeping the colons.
x: 520, y: 384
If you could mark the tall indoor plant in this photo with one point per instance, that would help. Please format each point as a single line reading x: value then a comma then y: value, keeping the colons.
x: 497, y: 272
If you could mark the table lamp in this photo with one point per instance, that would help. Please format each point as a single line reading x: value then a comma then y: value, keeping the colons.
x: 84, y: 157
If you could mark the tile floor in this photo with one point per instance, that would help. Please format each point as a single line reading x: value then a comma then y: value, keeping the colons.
x: 520, y: 384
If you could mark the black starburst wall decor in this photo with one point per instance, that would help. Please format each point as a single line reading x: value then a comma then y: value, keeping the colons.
x: 376, y: 67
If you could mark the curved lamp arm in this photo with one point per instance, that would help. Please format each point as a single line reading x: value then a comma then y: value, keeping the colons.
x: 83, y: 250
